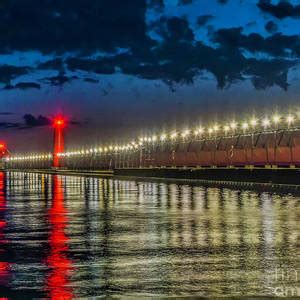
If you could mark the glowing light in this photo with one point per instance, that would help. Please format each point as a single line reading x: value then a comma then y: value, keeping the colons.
x: 199, y: 131
x: 245, y: 125
x: 233, y: 125
x: 173, y: 135
x: 253, y: 122
x: 163, y: 137
x: 59, y: 122
x: 266, y: 122
x: 226, y: 128
x: 185, y: 133
x: 290, y: 119
x: 276, y: 119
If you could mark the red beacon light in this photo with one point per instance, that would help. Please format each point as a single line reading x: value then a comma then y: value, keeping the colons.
x: 59, y: 122
x: 3, y: 150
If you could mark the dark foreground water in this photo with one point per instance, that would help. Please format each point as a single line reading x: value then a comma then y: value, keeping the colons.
x: 70, y: 237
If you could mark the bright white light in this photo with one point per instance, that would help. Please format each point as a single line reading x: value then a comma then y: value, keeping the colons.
x: 210, y: 130
x: 226, y: 128
x: 185, y: 133
x: 253, y: 122
x: 290, y: 119
x: 163, y: 137
x: 266, y: 122
x: 276, y: 119
x: 173, y: 135
x: 199, y: 131
x: 216, y: 127
x: 245, y: 125
x: 154, y: 138
x: 233, y: 125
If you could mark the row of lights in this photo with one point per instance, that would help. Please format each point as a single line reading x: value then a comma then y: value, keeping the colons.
x: 30, y: 157
x: 211, y: 131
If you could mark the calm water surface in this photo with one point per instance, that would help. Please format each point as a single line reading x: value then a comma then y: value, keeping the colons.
x: 70, y: 237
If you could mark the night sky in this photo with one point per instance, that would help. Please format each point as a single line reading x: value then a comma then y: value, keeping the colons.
x: 121, y: 68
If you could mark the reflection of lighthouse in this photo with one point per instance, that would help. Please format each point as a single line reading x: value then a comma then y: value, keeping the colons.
x: 58, y: 147
x: 4, y: 266
x: 60, y: 266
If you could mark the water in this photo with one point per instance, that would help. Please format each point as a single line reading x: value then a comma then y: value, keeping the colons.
x: 69, y: 237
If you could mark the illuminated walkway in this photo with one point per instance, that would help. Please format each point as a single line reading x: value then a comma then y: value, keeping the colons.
x: 267, y: 141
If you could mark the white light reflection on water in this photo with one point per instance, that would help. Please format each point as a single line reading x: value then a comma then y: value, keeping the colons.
x: 79, y: 237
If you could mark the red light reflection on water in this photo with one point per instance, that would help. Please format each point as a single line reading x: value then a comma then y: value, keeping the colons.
x: 60, y: 266
x: 4, y: 266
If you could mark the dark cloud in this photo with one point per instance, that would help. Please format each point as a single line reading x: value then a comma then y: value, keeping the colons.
x: 23, y: 86
x: 7, y: 125
x: 185, y: 2
x: 178, y: 29
x: 60, y: 79
x: 271, y: 27
x: 222, y: 1
x: 276, y: 45
x: 204, y: 19
x: 91, y: 80
x: 32, y: 121
x: 6, y: 113
x: 9, y: 72
x: 280, y: 10
x: 267, y: 73
x: 84, y: 25
x: 156, y: 4
x: 53, y: 64
x: 226, y: 62
x: 99, y: 66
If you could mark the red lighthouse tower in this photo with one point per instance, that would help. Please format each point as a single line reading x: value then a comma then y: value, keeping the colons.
x: 58, y: 140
